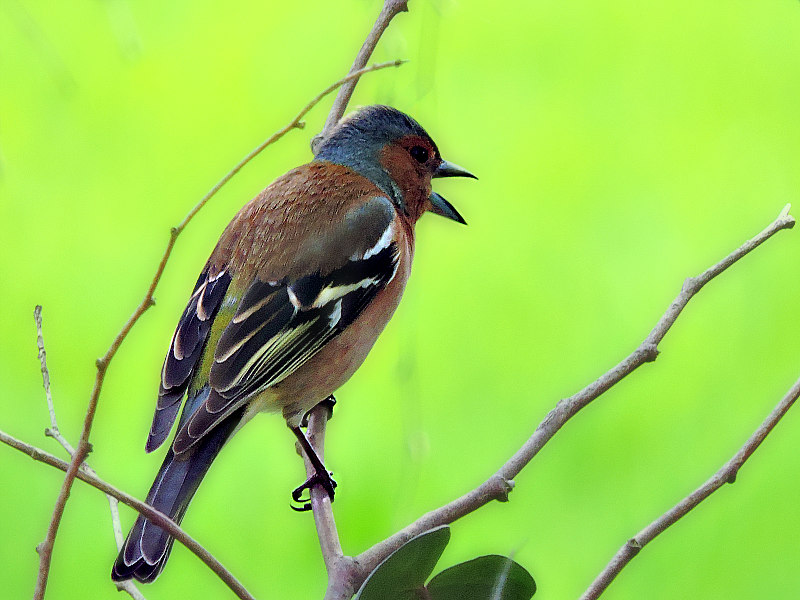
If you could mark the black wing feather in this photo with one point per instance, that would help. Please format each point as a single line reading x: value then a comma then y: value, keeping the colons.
x: 184, y: 352
x: 278, y: 326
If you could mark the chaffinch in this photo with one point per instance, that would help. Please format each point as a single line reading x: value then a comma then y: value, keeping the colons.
x: 293, y: 297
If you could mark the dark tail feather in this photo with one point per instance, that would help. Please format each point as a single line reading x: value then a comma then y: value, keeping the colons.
x: 147, y: 547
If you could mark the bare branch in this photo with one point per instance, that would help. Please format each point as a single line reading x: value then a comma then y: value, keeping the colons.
x: 129, y: 587
x: 727, y: 474
x: 498, y: 486
x: 54, y: 432
x: 154, y: 516
x: 343, y: 571
x: 320, y: 502
x: 45, y: 549
x: 296, y: 123
x: 390, y: 9
x: 340, y: 568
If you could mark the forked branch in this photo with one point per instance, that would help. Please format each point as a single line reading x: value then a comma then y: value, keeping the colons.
x: 148, y: 511
x: 352, y: 571
x: 54, y: 432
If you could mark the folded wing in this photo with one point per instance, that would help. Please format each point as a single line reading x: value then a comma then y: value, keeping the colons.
x: 279, y: 325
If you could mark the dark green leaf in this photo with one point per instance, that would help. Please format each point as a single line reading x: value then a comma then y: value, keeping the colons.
x: 490, y: 577
x: 402, y: 575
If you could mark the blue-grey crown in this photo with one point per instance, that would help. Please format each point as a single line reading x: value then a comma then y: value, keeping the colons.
x: 357, y: 140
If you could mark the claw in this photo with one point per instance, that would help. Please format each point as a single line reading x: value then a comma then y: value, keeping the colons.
x: 321, y: 475
x: 326, y: 481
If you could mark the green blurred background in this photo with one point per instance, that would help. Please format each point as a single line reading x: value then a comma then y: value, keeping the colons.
x: 621, y: 147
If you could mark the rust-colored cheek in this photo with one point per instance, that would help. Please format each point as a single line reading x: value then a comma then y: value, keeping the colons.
x: 409, y: 176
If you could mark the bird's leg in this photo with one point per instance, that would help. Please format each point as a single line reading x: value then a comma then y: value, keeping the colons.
x: 329, y: 402
x: 321, y: 475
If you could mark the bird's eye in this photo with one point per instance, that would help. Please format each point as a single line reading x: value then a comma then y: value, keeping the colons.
x: 419, y: 154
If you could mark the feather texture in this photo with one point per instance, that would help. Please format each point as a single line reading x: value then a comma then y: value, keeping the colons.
x: 277, y: 328
x: 184, y: 352
x: 147, y: 546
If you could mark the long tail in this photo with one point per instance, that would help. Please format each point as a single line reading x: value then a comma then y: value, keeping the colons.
x: 147, y: 547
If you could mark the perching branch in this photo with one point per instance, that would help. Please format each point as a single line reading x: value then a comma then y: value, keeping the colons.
x: 342, y: 570
x: 154, y: 516
x: 498, y: 486
x: 54, y: 432
x: 320, y: 501
x: 727, y: 474
x: 45, y: 549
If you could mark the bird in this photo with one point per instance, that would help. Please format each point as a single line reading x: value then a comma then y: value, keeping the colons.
x: 298, y: 288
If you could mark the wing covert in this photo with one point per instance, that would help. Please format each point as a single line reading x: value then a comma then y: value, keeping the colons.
x: 279, y: 325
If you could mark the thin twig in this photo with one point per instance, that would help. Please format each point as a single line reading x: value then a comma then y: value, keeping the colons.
x: 154, y: 516
x: 54, y: 432
x: 45, y: 549
x: 296, y: 123
x: 498, y: 486
x: 390, y: 9
x: 727, y: 474
x: 131, y: 589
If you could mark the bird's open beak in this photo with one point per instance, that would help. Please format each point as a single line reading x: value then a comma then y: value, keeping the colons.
x: 443, y: 208
x: 439, y: 205
x: 448, y: 169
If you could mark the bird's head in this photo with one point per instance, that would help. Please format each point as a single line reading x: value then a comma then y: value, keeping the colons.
x: 396, y: 153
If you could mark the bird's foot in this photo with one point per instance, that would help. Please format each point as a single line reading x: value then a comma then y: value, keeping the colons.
x: 321, y: 475
x: 323, y: 478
